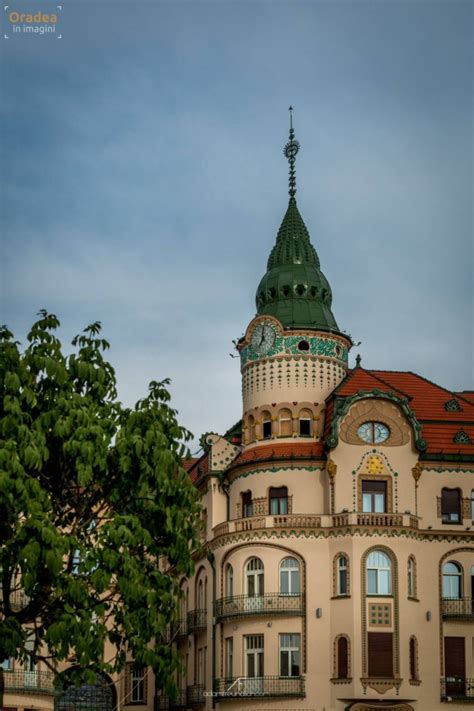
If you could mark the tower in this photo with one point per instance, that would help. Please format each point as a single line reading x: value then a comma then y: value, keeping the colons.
x: 293, y: 354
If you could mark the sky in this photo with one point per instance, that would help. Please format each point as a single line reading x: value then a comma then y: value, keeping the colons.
x: 144, y: 180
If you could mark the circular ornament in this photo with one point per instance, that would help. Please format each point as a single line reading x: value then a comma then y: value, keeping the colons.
x: 263, y: 338
x: 373, y: 432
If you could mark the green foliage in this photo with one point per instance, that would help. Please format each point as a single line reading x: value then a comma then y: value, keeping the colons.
x: 93, y: 500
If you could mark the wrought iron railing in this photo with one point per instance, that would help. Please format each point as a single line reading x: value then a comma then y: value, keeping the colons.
x: 180, y: 701
x: 31, y: 682
x: 197, y: 620
x: 179, y: 629
x: 461, y: 608
x: 195, y: 695
x: 260, y: 686
x: 456, y: 687
x: 267, y: 604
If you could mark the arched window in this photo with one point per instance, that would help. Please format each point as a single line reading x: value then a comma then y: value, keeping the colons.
x: 413, y: 659
x: 452, y: 580
x: 251, y: 430
x: 289, y: 577
x: 451, y: 505
x: 286, y: 423
x: 411, y: 576
x: 254, y: 577
x: 342, y: 661
x: 305, y: 423
x: 379, y: 574
x: 342, y: 570
x: 229, y: 580
x: 278, y: 500
x: 266, y: 425
x: 200, y: 594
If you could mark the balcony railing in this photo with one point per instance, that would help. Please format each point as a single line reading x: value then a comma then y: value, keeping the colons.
x: 457, y: 688
x: 267, y: 604
x: 458, y: 608
x: 260, y: 686
x: 195, y: 695
x: 179, y: 629
x: 29, y: 682
x: 197, y: 621
x: 294, y: 521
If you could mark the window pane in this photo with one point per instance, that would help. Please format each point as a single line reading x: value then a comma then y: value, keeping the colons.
x: 295, y: 581
x: 372, y: 582
x: 283, y: 506
x: 342, y: 582
x: 274, y: 506
x: 295, y: 663
x: 379, y: 503
x: 284, y: 666
x: 284, y: 588
x: 384, y: 582
x: 366, y: 503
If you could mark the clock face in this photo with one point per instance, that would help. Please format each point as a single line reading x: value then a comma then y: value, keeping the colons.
x: 263, y: 338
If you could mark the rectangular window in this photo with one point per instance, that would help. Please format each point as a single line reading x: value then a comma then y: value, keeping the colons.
x: 229, y: 657
x: 267, y: 429
x: 254, y: 655
x: 247, y: 505
x: 451, y: 506
x: 305, y: 428
x: 289, y: 655
x: 137, y: 685
x: 380, y: 654
x: 374, y: 496
x: 278, y: 500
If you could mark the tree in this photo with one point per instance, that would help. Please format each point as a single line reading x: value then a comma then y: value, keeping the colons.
x: 93, y: 499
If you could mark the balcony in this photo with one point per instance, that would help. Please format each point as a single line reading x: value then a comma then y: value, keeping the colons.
x: 28, y: 682
x: 197, y: 621
x: 259, y: 687
x: 195, y: 695
x: 179, y: 630
x: 312, y: 521
x: 267, y: 604
x: 458, y: 608
x: 456, y: 688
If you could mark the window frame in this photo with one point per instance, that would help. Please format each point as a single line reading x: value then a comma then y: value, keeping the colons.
x: 289, y: 649
x: 288, y: 570
x: 278, y: 494
x: 378, y: 577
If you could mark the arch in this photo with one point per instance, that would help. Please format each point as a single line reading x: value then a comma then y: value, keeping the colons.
x: 378, y: 573
x: 341, y: 581
x: 289, y: 577
x: 342, y: 657
x: 411, y: 576
x: 285, y: 422
x: 254, y: 577
x: 452, y: 580
x: 100, y: 695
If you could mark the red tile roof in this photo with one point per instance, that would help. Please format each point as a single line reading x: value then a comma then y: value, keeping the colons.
x: 427, y: 401
x: 290, y: 450
x: 199, y: 467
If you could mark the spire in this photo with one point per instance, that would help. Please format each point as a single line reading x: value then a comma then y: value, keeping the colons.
x: 290, y: 150
x: 294, y: 289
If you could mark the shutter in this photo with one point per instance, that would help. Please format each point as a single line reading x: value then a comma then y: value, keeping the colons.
x: 450, y: 501
x: 380, y: 654
x: 374, y: 487
x: 454, y: 659
x: 342, y: 658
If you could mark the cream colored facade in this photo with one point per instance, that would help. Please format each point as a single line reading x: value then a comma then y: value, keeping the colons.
x: 338, y: 570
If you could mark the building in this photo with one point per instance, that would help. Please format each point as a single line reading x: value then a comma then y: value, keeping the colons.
x: 338, y: 568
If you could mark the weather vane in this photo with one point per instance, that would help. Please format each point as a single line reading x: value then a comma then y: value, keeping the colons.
x: 290, y: 151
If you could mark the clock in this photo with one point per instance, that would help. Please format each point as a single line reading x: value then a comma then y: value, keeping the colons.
x: 263, y: 338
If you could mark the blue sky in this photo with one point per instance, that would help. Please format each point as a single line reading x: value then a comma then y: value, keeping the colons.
x: 144, y: 180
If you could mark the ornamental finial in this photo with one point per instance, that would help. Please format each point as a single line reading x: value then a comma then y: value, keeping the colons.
x: 290, y: 151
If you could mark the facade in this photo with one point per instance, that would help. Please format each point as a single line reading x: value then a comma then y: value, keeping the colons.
x: 337, y: 570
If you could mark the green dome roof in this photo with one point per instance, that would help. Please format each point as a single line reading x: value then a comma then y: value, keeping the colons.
x: 294, y: 290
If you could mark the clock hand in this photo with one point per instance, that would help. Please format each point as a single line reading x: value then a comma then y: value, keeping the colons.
x: 262, y: 338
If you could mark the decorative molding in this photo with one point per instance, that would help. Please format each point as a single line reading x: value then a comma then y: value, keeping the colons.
x: 274, y: 470
x: 381, y: 685
x: 342, y: 406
